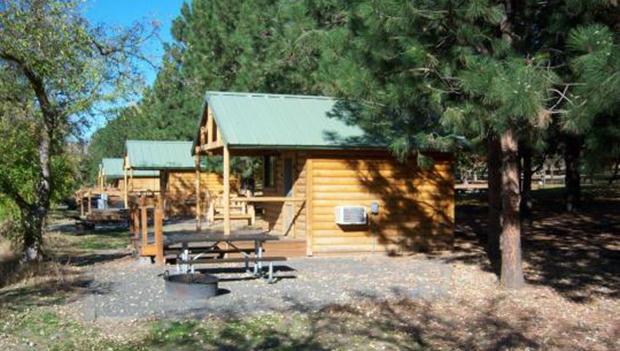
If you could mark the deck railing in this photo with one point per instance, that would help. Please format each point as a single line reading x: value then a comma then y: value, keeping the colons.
x: 140, y: 212
x: 243, y: 207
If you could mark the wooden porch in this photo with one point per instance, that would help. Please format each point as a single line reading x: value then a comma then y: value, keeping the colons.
x: 150, y: 237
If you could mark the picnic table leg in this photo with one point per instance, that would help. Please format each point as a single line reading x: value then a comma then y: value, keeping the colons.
x: 260, y: 256
x: 270, y: 279
x: 184, y: 258
x: 256, y: 257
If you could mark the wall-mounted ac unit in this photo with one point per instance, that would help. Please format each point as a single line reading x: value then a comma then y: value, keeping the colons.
x: 351, y: 215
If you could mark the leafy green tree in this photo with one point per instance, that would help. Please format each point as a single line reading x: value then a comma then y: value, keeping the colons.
x: 57, y: 68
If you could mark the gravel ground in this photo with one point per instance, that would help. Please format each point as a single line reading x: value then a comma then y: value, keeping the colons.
x: 132, y: 289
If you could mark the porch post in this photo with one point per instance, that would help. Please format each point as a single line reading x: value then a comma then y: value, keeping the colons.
x: 198, y: 216
x: 89, y: 197
x: 125, y: 190
x: 226, y: 190
x: 81, y: 203
x: 158, y: 231
x: 131, y: 178
x: 163, y: 190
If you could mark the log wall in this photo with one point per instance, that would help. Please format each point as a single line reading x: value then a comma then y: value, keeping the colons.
x: 180, y: 195
x: 416, y: 205
x: 138, y: 184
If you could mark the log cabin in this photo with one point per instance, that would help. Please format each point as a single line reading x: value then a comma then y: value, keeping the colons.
x: 325, y: 182
x: 110, y: 181
x: 111, y: 175
x: 184, y: 185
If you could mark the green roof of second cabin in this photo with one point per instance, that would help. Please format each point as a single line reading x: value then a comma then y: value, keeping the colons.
x: 249, y: 120
x: 159, y: 154
x: 113, y: 169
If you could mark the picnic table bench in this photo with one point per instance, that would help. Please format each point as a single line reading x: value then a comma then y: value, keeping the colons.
x: 186, y: 259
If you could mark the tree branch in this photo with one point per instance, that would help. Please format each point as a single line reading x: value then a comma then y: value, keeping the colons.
x: 8, y: 188
x: 37, y: 85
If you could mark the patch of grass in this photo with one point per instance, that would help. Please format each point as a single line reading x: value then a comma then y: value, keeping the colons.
x: 60, y: 242
x: 45, y: 329
x: 293, y: 331
x: 108, y: 241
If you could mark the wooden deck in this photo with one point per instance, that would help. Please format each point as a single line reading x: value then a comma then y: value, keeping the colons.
x: 162, y: 241
x: 287, y: 247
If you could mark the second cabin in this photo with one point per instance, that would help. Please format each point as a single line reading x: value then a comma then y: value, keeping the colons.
x: 179, y: 175
x: 111, y: 175
x: 322, y: 181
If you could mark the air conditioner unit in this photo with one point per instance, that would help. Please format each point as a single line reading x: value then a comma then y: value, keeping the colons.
x: 351, y: 215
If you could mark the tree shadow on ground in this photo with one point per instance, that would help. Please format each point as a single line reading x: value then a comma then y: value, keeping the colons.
x: 90, y: 259
x: 62, y: 284
x: 370, y: 324
x: 576, y: 254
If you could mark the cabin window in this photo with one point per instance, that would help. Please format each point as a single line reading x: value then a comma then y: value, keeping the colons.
x: 269, y: 170
x: 288, y: 176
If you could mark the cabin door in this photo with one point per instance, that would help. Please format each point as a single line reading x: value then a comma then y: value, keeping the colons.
x: 288, y: 176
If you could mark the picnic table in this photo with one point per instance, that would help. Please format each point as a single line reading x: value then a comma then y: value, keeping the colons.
x: 212, y: 245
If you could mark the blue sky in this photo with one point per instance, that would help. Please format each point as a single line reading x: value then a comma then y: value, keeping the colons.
x: 126, y: 12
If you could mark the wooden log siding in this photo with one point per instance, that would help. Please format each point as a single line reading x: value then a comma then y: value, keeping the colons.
x: 181, y: 191
x: 140, y: 184
x: 416, y: 206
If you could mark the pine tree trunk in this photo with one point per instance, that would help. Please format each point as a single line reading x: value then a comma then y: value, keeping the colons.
x: 526, y: 183
x: 614, y: 175
x: 572, y: 155
x: 512, y: 270
x: 494, y: 164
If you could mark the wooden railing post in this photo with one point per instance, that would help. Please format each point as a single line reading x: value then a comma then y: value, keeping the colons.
x: 136, y: 233
x: 211, y: 212
x: 125, y: 190
x: 144, y: 221
x: 198, y: 207
x: 132, y: 225
x: 81, y: 197
x: 226, y: 157
x: 89, y: 201
x: 252, y: 213
x: 158, y: 229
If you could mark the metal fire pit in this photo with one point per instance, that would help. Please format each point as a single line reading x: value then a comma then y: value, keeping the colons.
x: 191, y: 286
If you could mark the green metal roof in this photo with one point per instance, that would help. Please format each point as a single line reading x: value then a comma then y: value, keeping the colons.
x: 113, y: 169
x: 160, y: 155
x: 248, y: 120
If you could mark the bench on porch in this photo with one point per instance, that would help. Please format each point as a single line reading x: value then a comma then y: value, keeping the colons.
x: 238, y: 210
